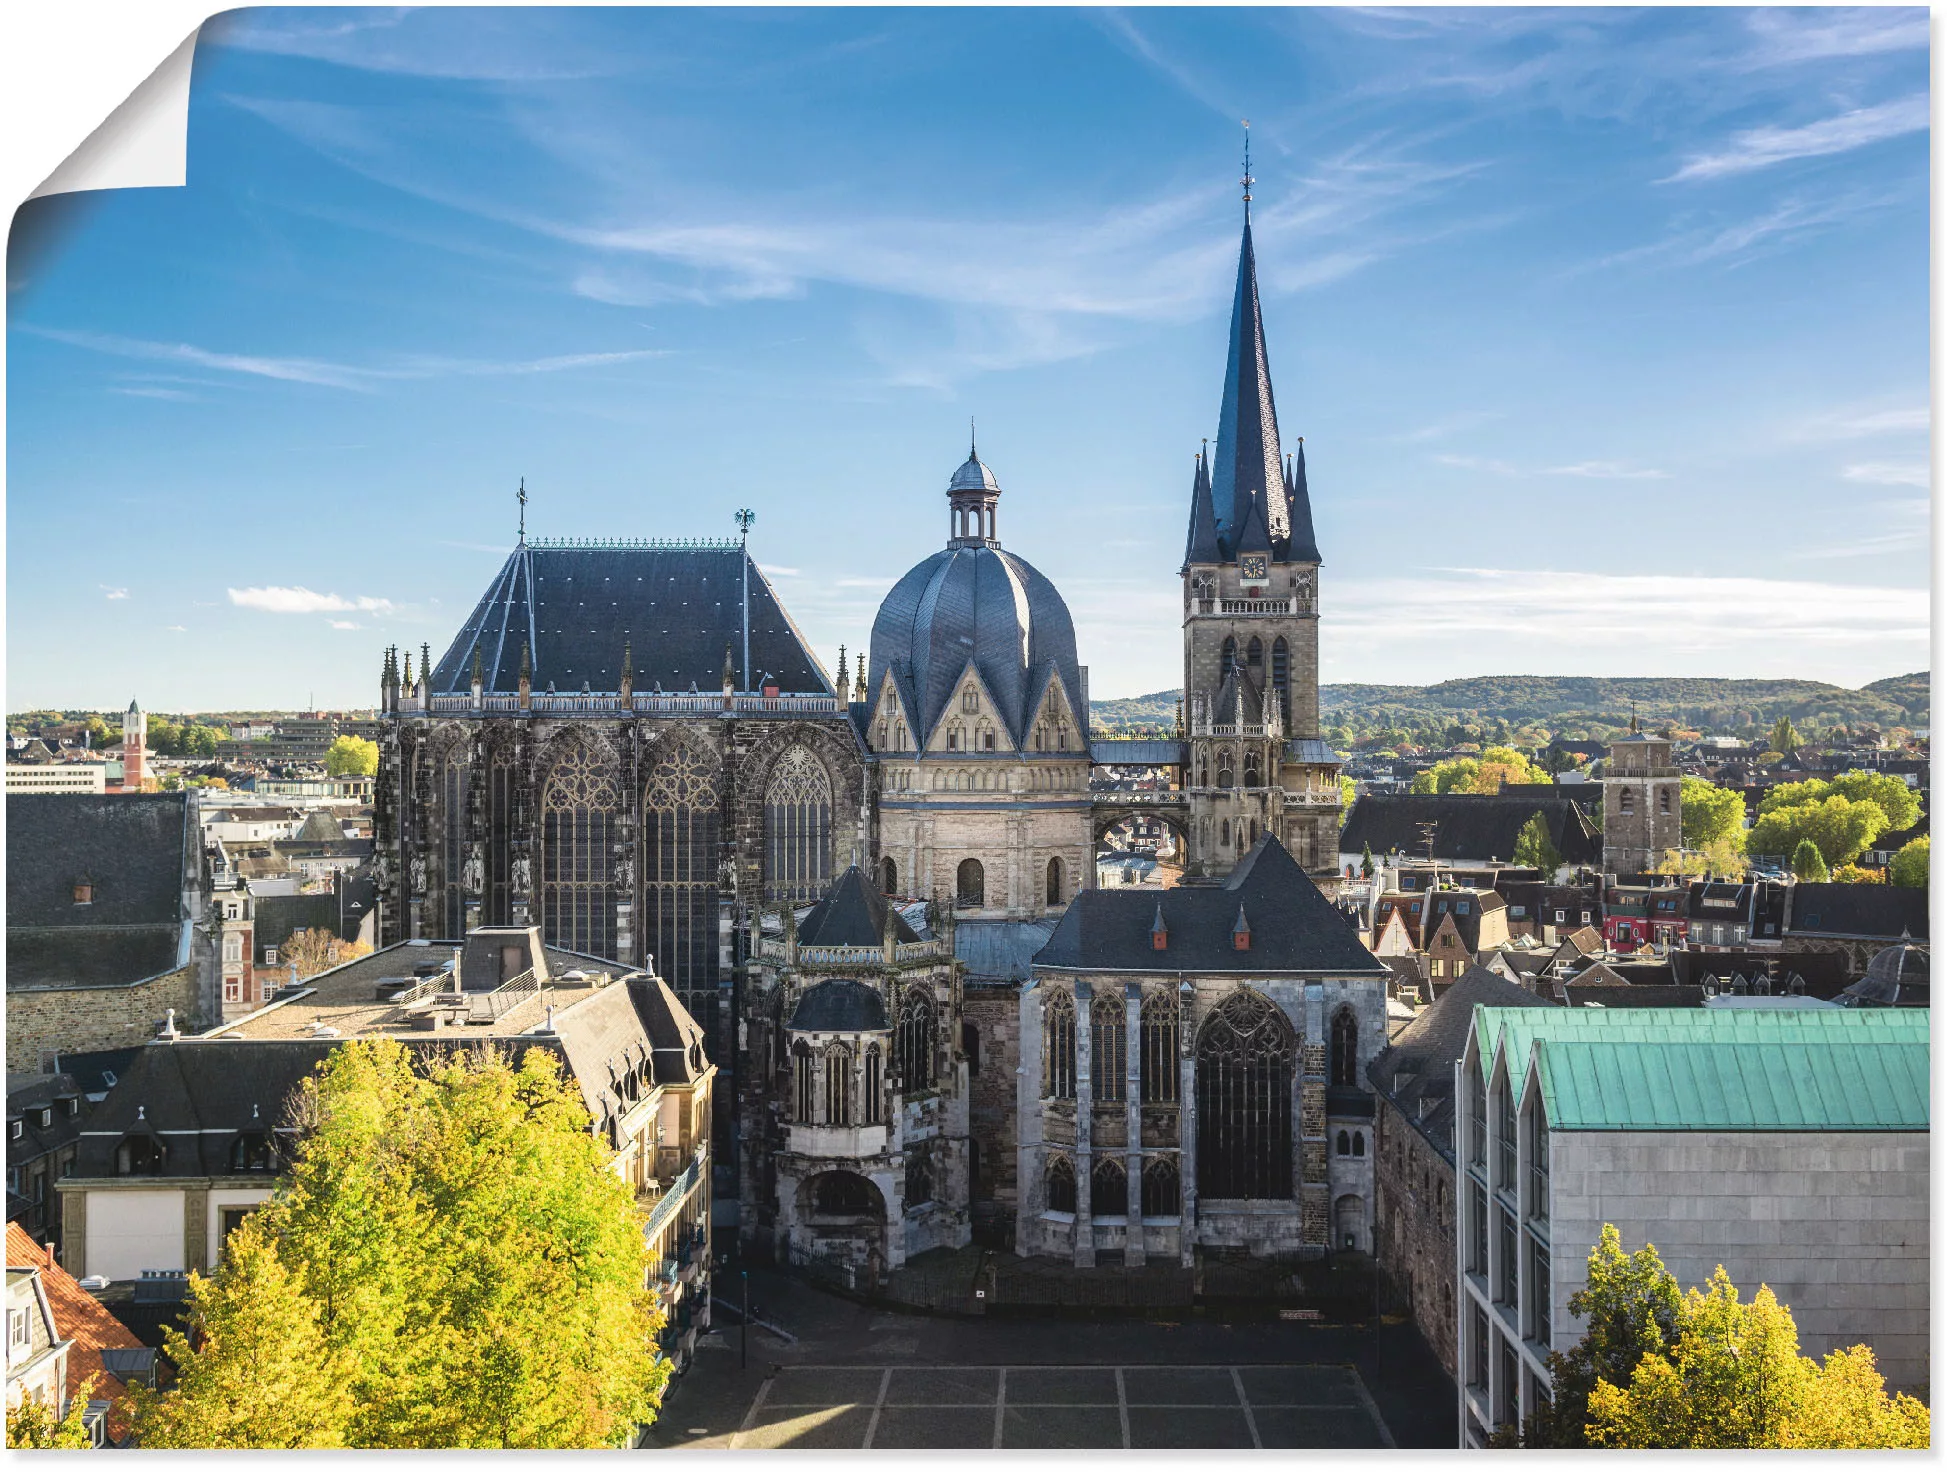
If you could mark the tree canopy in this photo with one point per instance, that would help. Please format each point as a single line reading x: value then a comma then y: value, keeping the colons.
x: 33, y: 1425
x: 1494, y: 768
x: 1839, y: 827
x: 1909, y: 866
x: 352, y: 756
x: 1809, y: 864
x: 1888, y: 793
x: 1534, y: 848
x: 1711, y: 814
x: 318, y: 950
x: 450, y: 1262
x: 1784, y: 739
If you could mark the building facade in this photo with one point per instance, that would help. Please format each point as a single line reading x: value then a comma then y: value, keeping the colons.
x: 1642, y: 804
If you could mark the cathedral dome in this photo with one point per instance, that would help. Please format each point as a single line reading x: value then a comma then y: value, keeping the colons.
x: 973, y: 602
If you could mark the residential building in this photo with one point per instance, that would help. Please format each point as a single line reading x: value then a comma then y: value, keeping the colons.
x: 44, y: 1115
x: 75, y: 777
x: 103, y: 1357
x: 1789, y: 1146
x: 1856, y: 921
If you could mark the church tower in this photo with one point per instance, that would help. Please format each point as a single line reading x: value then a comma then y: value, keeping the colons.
x: 1255, y: 760
x: 135, y: 748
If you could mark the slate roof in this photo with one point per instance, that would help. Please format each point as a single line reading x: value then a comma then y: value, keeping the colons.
x: 278, y: 917
x: 1293, y: 926
x: 1126, y: 751
x: 1898, y: 976
x: 1415, y: 1071
x: 96, y: 1072
x: 676, y: 607
x: 1824, y: 972
x: 1468, y: 826
x: 839, y: 1005
x: 1852, y: 909
x: 1628, y: 994
x: 1000, y: 950
x: 852, y: 913
x: 131, y: 850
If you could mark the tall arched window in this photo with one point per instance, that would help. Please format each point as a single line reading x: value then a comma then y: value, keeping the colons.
x: 1054, y: 881
x: 797, y: 828
x: 1162, y: 1189
x: 1058, y: 1031
x: 503, y: 790
x: 1281, y: 679
x: 913, y: 1043
x: 1254, y: 653
x: 578, y: 805
x: 805, y: 1080
x: 680, y: 807
x: 1108, y: 1048
x: 1251, y: 769
x: 1245, y: 1054
x: 1345, y: 1142
x: 1229, y: 654
x: 888, y: 876
x: 873, y: 1111
x: 919, y: 1181
x: 452, y: 784
x: 1223, y: 834
x: 972, y: 885
x: 1223, y: 767
x: 1108, y: 1188
x: 838, y: 1084
x: 1345, y: 1049
x: 1061, y: 1184
x: 1159, y: 1067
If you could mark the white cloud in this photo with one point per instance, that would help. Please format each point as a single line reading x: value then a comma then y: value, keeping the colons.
x: 152, y: 392
x: 1760, y: 148
x: 1787, y: 35
x: 174, y: 629
x: 1606, y: 470
x: 1863, y: 423
x: 114, y: 594
x: 343, y: 623
x: 303, y: 600
x: 1892, y: 473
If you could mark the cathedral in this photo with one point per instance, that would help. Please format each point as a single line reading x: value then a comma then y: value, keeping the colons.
x: 875, y: 890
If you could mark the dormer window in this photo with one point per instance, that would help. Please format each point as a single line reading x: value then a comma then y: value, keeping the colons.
x: 46, y: 1118
x: 84, y: 892
x: 139, y: 1155
x: 250, y: 1151
x: 1240, y: 933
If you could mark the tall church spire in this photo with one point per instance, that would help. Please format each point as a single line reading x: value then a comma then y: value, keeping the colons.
x: 1249, y: 469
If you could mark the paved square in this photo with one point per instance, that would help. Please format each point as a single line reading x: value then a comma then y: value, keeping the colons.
x: 1096, y: 1407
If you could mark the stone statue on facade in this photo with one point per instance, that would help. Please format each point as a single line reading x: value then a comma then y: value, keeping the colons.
x: 522, y: 876
x: 473, y: 877
x: 417, y: 873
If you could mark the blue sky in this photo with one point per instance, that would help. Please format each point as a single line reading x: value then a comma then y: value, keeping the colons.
x: 1607, y: 331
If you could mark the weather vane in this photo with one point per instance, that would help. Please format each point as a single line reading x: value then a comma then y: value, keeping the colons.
x: 521, y: 496
x: 744, y: 518
x: 1247, y: 181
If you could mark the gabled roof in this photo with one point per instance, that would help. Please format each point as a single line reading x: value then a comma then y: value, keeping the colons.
x: 1883, y: 910
x: 1467, y: 826
x: 852, y: 913
x: 80, y: 1317
x: 1294, y: 928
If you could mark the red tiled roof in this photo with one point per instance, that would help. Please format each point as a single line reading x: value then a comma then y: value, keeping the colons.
x: 77, y: 1316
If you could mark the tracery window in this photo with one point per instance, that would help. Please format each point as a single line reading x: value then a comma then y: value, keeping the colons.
x: 1223, y: 767
x: 1229, y: 655
x: 838, y: 1084
x: 1158, y: 1023
x: 1058, y: 1027
x: 1345, y: 1049
x: 875, y: 1085
x: 578, y: 806
x: 1251, y: 769
x: 1108, y: 1049
x: 1054, y: 881
x: 503, y: 789
x: 1254, y: 653
x: 804, y: 1078
x: 797, y: 828
x: 1281, y: 679
x: 919, y: 1181
x: 452, y: 784
x: 1162, y: 1188
x: 971, y: 884
x: 680, y: 807
x: 1245, y: 1056
x: 913, y: 1043
x: 1108, y: 1188
x: 841, y: 1193
x: 1061, y: 1184
x: 1223, y: 834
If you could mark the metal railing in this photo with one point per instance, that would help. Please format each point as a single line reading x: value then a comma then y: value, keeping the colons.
x: 609, y: 703
x: 425, y: 987
x: 496, y: 1004
x: 1140, y: 799
x: 671, y: 1199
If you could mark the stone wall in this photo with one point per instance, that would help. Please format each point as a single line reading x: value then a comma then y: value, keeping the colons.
x: 994, y: 1013
x: 1414, y: 1241
x: 1836, y: 1224
x: 84, y: 1019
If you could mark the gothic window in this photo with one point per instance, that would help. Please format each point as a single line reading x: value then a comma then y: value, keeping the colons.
x: 919, y: 1181
x: 1281, y: 678
x: 679, y: 876
x: 986, y: 740
x: 1108, y: 1049
x: 1244, y: 1068
x: 1162, y: 1190
x: 1054, y: 881
x: 797, y: 828
x: 1628, y: 799
x: 1061, y: 1185
x: 1058, y: 1029
x: 1345, y: 1142
x: 1223, y: 766
x: 1358, y: 1142
x: 803, y: 1078
x: 1345, y: 1049
x: 840, y: 1193
x: 1158, y: 1043
x: 838, y: 1084
x: 1230, y: 654
x: 1108, y: 1188
x: 1251, y: 769
x: 875, y: 1068
x: 503, y: 787
x: 578, y: 806
x: 1254, y: 653
x: 452, y: 784
x: 972, y: 885
x: 888, y: 877
x: 970, y: 699
x: 970, y: 1047
x: 1223, y: 834
x: 952, y: 738
x: 913, y: 1043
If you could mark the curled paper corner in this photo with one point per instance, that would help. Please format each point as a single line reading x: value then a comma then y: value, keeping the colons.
x: 143, y: 144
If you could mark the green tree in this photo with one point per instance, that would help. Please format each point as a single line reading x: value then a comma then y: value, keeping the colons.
x: 164, y: 736
x: 201, y: 740
x: 1909, y: 866
x: 1784, y: 739
x: 1711, y: 814
x: 1365, y: 862
x: 1534, y: 849
x: 352, y: 756
x: 475, y: 1266
x: 32, y: 1424
x: 1886, y: 792
x: 1838, y: 827
x: 1809, y: 864
x: 99, y: 734
x: 1348, y: 791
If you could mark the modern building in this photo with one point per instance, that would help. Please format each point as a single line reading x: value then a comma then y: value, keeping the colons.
x: 75, y: 777
x: 1788, y: 1145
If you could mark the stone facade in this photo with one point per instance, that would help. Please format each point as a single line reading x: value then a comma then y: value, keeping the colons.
x: 1414, y: 1229
x: 991, y: 1045
x: 82, y: 1019
x: 1642, y: 805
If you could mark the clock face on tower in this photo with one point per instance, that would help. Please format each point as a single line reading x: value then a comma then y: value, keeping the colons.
x: 1253, y: 567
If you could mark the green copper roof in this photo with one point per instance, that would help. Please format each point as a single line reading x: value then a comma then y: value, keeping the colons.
x: 1702, y: 1069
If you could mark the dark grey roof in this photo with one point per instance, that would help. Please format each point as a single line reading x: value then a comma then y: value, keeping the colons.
x: 978, y: 605
x: 839, y: 1005
x: 1823, y: 972
x: 1126, y: 751
x: 1293, y: 926
x: 676, y: 607
x: 130, y: 847
x: 96, y: 1072
x: 852, y: 913
x: 675, y: 1036
x: 1468, y: 826
x: 1897, y: 977
x: 999, y: 950
x: 1603, y: 994
x: 67, y: 957
x: 1415, y: 1071
x: 277, y: 917
x: 1201, y: 544
x: 1851, y: 909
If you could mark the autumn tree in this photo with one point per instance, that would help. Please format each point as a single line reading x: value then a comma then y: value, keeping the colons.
x: 1809, y: 864
x: 318, y: 950
x: 1908, y: 868
x: 1494, y: 768
x: 1534, y: 849
x: 34, y: 1425
x: 352, y: 756
x: 451, y: 1253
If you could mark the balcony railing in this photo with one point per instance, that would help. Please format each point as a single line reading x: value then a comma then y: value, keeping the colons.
x: 1140, y: 799
x: 673, y: 1197
x: 770, y: 949
x: 610, y: 703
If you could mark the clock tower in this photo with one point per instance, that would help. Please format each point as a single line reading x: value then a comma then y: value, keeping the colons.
x: 1254, y: 761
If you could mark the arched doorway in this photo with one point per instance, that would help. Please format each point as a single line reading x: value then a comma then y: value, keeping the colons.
x: 843, y: 1223
x: 1245, y: 1056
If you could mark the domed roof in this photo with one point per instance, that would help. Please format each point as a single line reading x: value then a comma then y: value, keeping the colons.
x: 973, y: 476
x: 839, y: 1005
x: 1896, y: 977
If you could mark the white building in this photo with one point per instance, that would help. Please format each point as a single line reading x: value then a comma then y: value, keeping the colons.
x: 58, y: 777
x: 1788, y: 1145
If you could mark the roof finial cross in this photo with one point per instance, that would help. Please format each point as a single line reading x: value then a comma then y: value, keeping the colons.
x: 521, y: 496
x: 1247, y: 180
x: 972, y: 452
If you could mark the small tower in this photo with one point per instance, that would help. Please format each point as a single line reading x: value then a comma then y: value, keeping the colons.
x: 477, y: 680
x: 1642, y: 804
x: 135, y: 743
x: 974, y: 494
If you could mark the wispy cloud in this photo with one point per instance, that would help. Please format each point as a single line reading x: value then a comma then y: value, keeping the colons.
x: 174, y: 629
x: 1862, y: 423
x: 1452, y: 424
x: 150, y: 391
x: 773, y: 571
x: 114, y: 595
x: 1583, y: 469
x: 343, y: 623
x: 486, y: 49
x: 1787, y: 35
x: 303, y: 600
x: 1760, y: 148
x: 1734, y: 243
x: 1891, y: 473
x: 359, y: 378
x: 1888, y: 527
